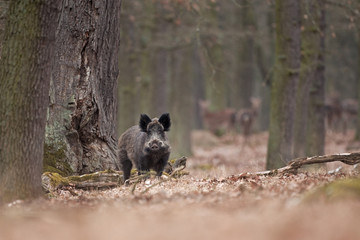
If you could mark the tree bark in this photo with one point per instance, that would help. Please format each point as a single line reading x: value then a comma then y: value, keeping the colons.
x: 82, y: 111
x: 286, y: 75
x: 25, y: 72
x: 4, y: 5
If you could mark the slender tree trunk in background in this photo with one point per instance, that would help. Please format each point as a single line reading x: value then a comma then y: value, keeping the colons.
x: 80, y: 132
x: 181, y: 98
x: 161, y: 63
x: 286, y: 75
x: 198, y: 83
x: 25, y: 72
x: 215, y: 80
x: 264, y: 55
x: 245, y: 68
x: 181, y: 95
x: 309, y: 59
x: 145, y: 75
x: 127, y: 98
x: 316, y: 122
x: 357, y: 136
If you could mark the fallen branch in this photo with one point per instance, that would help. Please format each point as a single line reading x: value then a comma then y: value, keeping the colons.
x: 294, y: 165
x: 105, y: 179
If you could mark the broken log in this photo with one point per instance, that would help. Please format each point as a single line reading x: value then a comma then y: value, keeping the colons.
x: 294, y: 165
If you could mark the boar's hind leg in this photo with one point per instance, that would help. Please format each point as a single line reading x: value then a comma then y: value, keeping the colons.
x: 126, y: 164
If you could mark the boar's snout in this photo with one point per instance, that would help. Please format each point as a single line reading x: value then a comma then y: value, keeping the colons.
x: 156, y: 145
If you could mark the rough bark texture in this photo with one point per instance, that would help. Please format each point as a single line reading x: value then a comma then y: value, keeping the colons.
x: 286, y: 75
x: 4, y: 5
x: 25, y: 72
x: 82, y: 110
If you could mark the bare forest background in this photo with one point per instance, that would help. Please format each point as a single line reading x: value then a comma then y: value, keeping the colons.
x: 176, y: 54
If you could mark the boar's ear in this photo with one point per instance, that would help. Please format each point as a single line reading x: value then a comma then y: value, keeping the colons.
x: 165, y: 121
x: 144, y: 121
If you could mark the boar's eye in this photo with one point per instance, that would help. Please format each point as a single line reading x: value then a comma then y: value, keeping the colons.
x: 144, y: 121
x: 165, y: 121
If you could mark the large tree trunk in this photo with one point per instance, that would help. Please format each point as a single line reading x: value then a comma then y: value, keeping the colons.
x: 82, y: 111
x: 26, y: 66
x: 286, y: 75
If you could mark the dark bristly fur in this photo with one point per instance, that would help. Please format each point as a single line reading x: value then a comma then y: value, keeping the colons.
x: 145, y: 146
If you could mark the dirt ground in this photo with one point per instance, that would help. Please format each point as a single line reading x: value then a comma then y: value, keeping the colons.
x: 219, y: 199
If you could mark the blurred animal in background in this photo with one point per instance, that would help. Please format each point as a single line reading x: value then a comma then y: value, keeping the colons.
x: 228, y: 119
x: 145, y: 145
x: 333, y: 111
x: 218, y: 122
x: 349, y: 113
x: 247, y: 117
x: 341, y: 114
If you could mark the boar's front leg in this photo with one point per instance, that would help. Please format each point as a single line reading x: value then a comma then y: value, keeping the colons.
x: 160, y: 165
x: 143, y: 167
x: 126, y: 164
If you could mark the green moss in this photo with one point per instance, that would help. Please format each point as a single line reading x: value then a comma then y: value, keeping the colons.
x: 56, y: 179
x: 341, y: 189
x: 54, y: 160
x: 204, y: 167
x: 85, y: 177
x: 172, y: 161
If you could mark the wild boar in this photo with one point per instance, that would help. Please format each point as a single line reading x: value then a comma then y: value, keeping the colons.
x: 145, y: 145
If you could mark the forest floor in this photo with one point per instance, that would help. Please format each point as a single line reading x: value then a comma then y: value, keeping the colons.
x: 217, y: 200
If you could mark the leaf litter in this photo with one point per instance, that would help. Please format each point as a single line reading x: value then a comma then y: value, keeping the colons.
x: 222, y: 197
